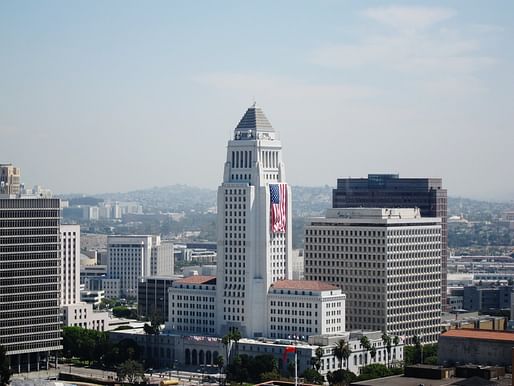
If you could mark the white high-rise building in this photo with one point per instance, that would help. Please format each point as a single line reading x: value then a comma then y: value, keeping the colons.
x: 252, y: 253
x: 70, y: 264
x: 75, y: 312
x: 387, y: 262
x: 132, y: 257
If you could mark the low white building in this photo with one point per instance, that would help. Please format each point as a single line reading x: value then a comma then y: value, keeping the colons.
x: 300, y: 308
x: 294, y: 308
x: 201, y: 350
x: 83, y: 315
x: 359, y: 356
x: 192, y: 305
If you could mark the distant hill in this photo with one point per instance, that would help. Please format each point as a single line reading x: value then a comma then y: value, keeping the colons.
x: 307, y: 201
x: 173, y: 198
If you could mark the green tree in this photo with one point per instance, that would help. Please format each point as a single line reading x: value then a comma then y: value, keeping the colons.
x: 409, y: 355
x: 5, y: 371
x: 417, y: 349
x: 342, y: 351
x: 387, y: 343
x: 218, y: 361
x: 313, y: 376
x: 341, y: 377
x: 377, y: 370
x: 373, y: 352
x: 317, y: 358
x: 366, y: 345
x: 232, y: 336
x: 130, y: 370
x: 396, y: 341
x: 124, y: 312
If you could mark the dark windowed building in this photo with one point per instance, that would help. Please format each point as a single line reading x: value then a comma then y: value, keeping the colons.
x: 152, y: 296
x: 390, y: 191
x: 30, y: 269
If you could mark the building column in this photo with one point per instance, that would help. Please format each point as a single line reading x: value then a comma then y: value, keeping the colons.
x: 37, y: 363
x: 28, y: 362
x: 19, y: 363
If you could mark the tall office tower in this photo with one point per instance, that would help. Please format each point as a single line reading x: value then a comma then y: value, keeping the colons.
x: 30, y: 276
x: 132, y: 257
x: 387, y: 262
x: 70, y: 272
x: 390, y: 191
x: 9, y: 179
x: 254, y: 226
x: 76, y: 312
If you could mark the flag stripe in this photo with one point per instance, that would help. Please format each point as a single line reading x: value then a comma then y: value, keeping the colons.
x: 278, y: 208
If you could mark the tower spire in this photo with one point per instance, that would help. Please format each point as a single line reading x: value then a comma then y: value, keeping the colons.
x: 255, y: 120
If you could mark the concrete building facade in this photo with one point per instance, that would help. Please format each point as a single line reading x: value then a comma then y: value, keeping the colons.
x: 75, y: 311
x: 386, y: 261
x: 132, y: 257
x: 475, y: 346
x: 30, y: 279
x: 391, y: 191
x: 301, y: 308
x: 9, y: 179
x: 152, y: 296
x: 193, y: 305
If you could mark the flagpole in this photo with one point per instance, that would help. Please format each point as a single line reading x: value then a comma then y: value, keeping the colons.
x: 295, y: 368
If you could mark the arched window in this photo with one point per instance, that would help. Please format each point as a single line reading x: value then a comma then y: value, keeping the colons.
x: 194, y: 358
x: 188, y: 356
x: 201, y: 358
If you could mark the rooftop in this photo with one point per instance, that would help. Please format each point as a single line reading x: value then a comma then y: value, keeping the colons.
x: 309, y: 285
x: 503, y: 336
x: 197, y: 279
x: 255, y: 120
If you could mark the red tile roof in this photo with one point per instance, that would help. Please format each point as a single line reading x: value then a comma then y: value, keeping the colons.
x: 468, y: 333
x: 197, y: 279
x: 308, y: 285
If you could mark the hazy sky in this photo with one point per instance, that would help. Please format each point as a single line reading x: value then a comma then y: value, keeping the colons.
x: 100, y: 96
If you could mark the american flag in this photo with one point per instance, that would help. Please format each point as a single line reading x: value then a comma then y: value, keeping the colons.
x: 278, y: 207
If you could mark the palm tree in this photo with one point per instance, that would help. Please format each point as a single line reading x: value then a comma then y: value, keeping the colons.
x: 387, y: 342
x: 396, y: 340
x: 346, y: 354
x: 317, y: 359
x: 236, y: 336
x: 366, y: 345
x: 373, y: 352
x: 342, y: 351
x: 232, y: 336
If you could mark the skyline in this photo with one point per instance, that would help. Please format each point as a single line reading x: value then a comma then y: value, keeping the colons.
x: 134, y: 96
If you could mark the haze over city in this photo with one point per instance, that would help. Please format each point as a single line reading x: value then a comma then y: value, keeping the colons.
x: 116, y: 96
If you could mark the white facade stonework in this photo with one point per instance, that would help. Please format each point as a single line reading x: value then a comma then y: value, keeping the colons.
x: 250, y: 256
x: 192, y: 305
x: 387, y: 262
x: 298, y: 309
